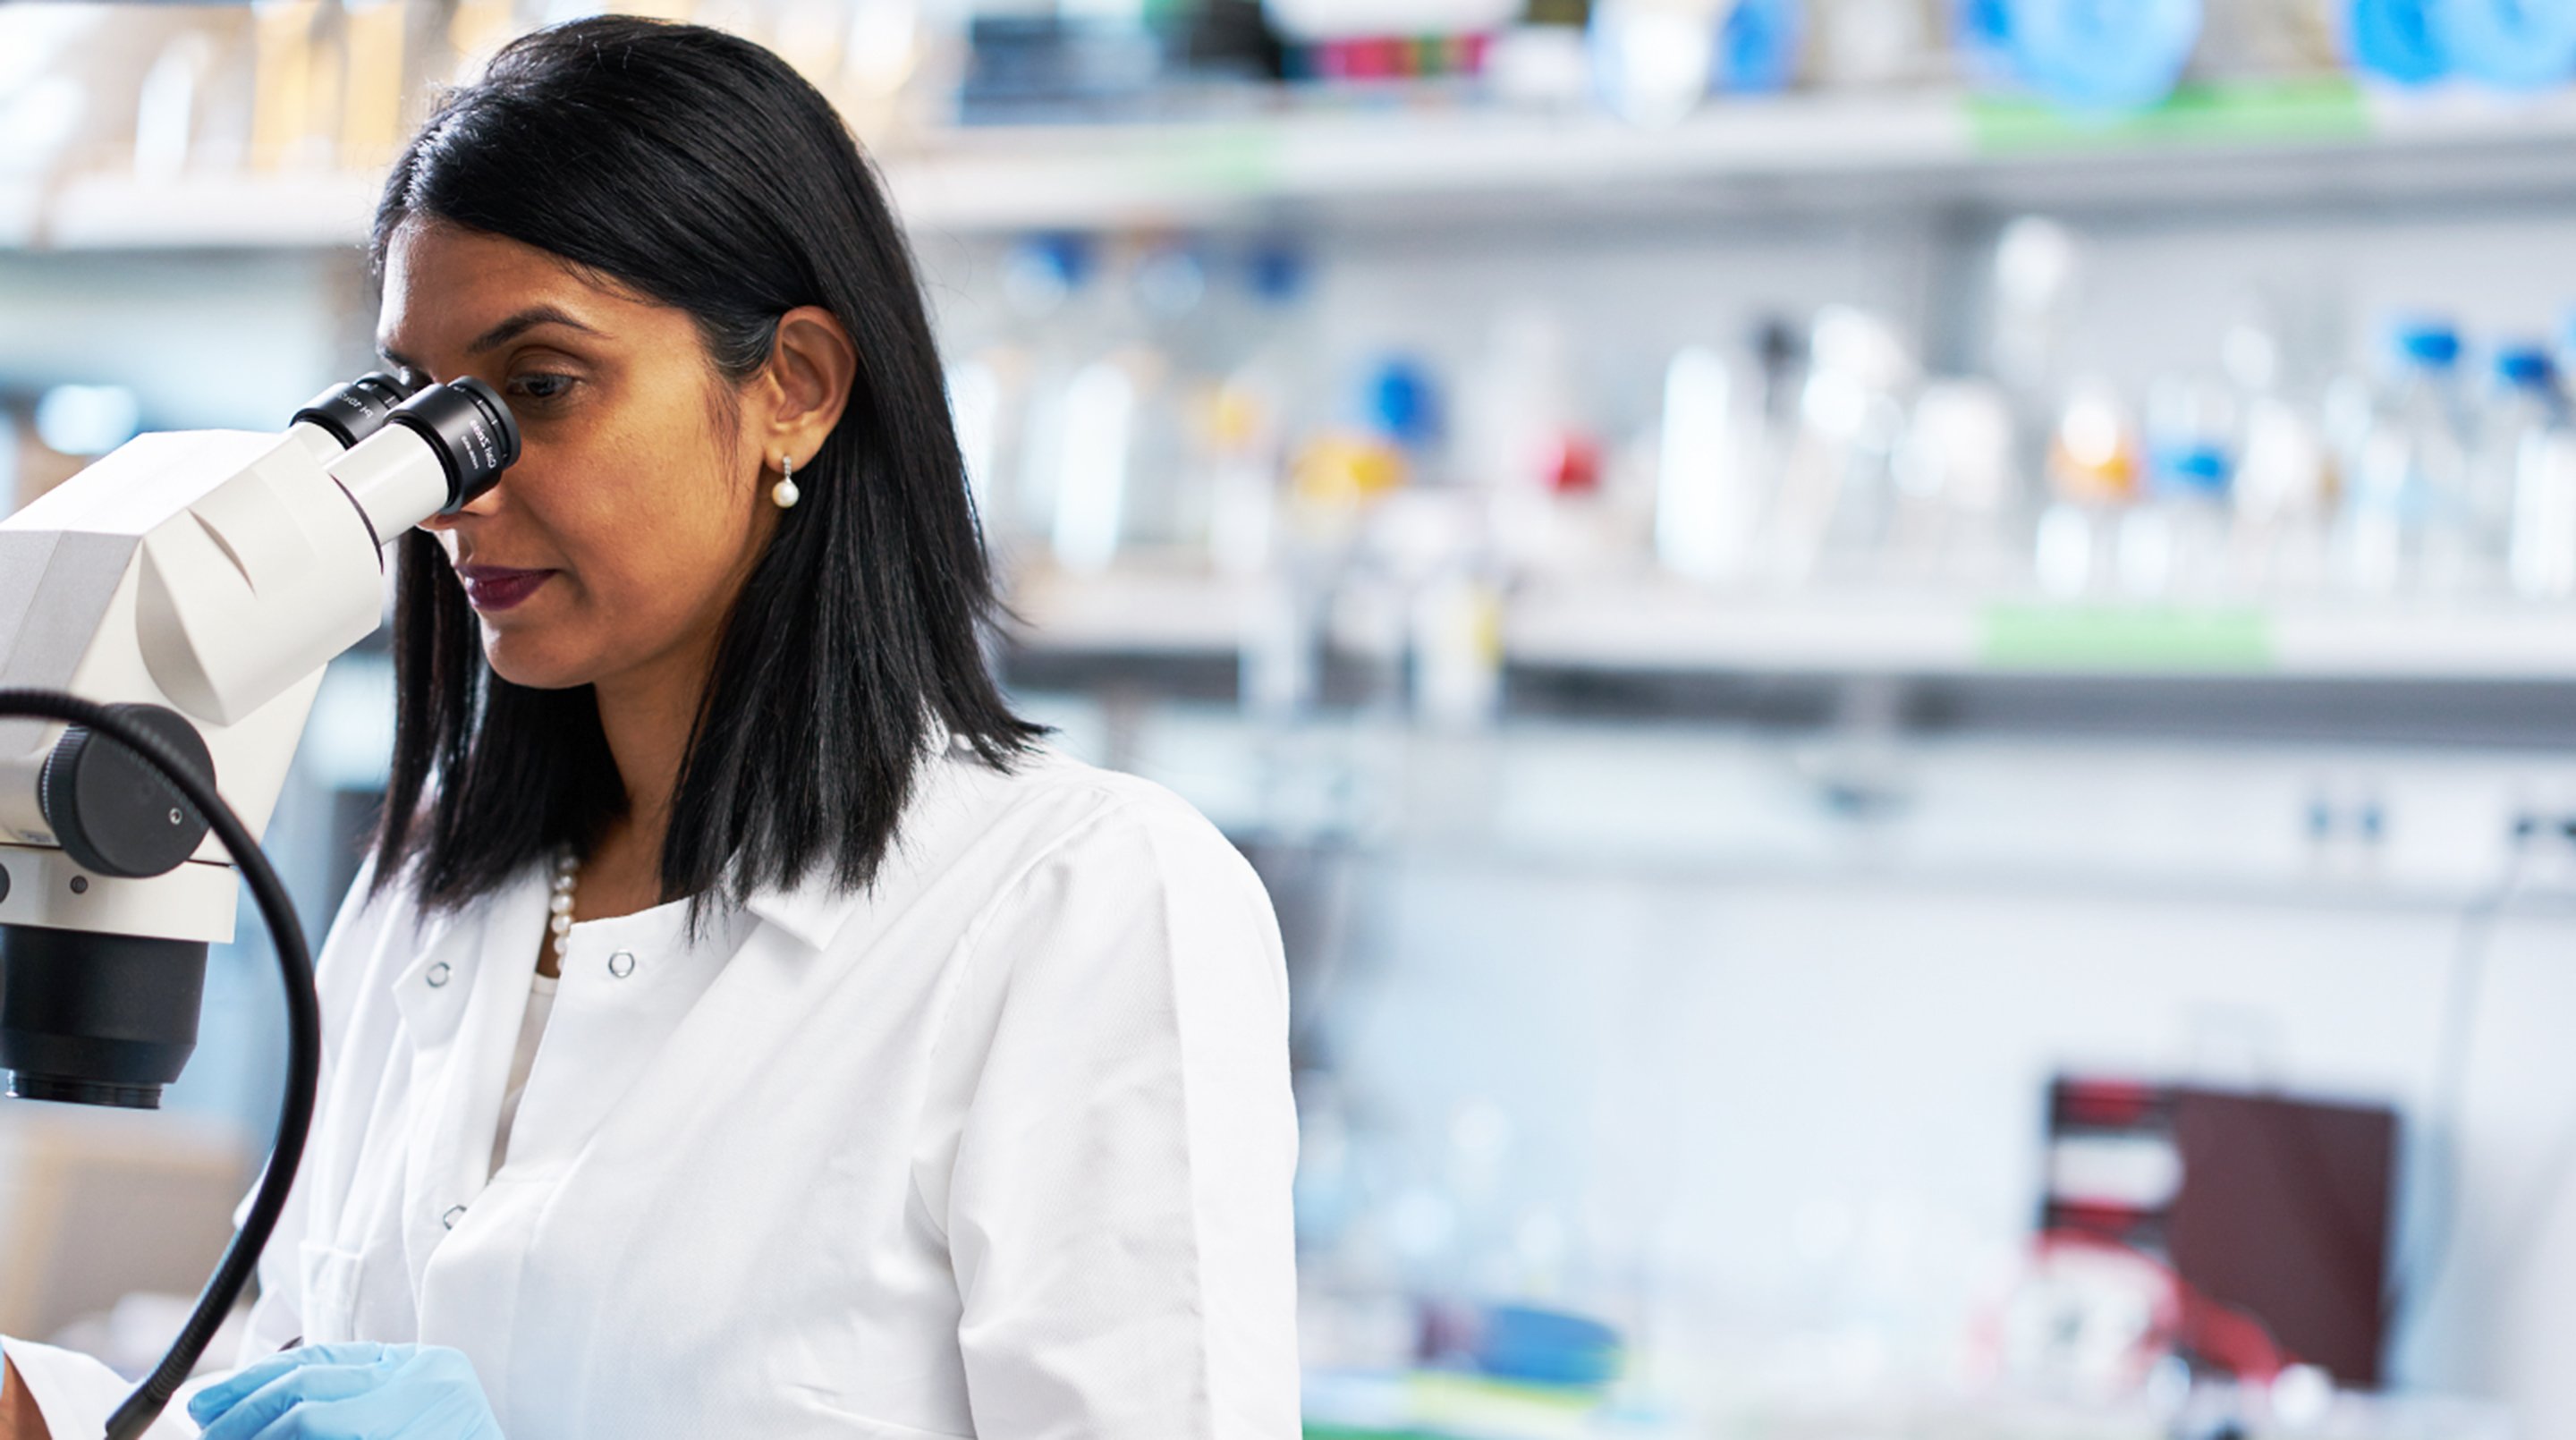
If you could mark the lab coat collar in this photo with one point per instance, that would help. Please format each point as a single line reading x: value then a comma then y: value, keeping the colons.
x: 812, y: 909
x: 816, y: 906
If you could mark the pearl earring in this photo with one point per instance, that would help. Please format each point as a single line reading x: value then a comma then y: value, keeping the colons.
x: 784, y: 494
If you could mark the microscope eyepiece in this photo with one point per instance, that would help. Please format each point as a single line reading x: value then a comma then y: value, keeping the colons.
x: 354, y: 411
x: 471, y: 431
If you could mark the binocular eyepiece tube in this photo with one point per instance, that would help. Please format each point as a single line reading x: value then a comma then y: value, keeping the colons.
x: 343, y: 415
x: 469, y: 433
x: 105, y: 1018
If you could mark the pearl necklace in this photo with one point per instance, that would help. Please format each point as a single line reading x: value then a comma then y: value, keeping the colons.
x: 559, y: 921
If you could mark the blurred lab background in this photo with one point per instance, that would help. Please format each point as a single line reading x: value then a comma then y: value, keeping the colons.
x: 1905, y: 669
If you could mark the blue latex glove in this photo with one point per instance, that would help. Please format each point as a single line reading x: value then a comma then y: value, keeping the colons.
x: 356, y: 1391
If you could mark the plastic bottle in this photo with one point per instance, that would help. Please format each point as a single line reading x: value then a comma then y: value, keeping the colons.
x: 1706, y: 500
x: 2529, y: 454
x: 1171, y: 366
x: 1521, y: 443
x: 1956, y: 486
x: 1653, y: 60
x: 1009, y: 393
x: 1878, y: 44
x: 2093, y: 475
x: 1255, y: 415
x: 2522, y: 397
x: 2284, y: 476
x: 1836, y: 488
x: 2175, y: 545
x: 1758, y: 47
x: 2407, y: 521
x: 1078, y: 436
x: 2038, y: 270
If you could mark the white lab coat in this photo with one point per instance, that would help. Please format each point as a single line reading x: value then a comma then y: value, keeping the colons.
x: 1000, y: 1147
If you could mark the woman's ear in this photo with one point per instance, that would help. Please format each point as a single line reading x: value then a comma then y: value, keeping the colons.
x: 809, y: 375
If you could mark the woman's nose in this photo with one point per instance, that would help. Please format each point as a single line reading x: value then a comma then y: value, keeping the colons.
x: 480, y: 507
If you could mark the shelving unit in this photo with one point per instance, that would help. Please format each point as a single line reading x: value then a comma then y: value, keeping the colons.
x: 1669, y: 630
x: 1166, y: 615
x: 2303, y: 144
x: 2314, y: 145
x: 1657, y: 628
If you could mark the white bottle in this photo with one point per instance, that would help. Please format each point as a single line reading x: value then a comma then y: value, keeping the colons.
x: 2528, y: 465
x: 2175, y: 545
x: 2284, y: 475
x: 2408, y: 523
x: 1836, y: 486
x: 1709, y: 469
x: 1047, y: 284
x: 1258, y: 411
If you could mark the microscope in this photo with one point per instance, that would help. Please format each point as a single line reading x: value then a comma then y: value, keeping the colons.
x: 165, y: 616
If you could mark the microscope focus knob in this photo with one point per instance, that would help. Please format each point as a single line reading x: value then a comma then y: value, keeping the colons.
x: 111, y: 811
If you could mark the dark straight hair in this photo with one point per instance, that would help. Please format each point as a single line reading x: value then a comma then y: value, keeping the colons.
x: 699, y: 171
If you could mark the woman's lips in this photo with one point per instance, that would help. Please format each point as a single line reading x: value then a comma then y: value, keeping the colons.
x: 497, y: 587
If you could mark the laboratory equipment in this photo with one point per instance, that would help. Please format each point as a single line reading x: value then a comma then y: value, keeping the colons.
x: 2257, y: 1265
x: 2407, y: 517
x: 164, y: 617
x: 2527, y: 474
x: 2087, y: 56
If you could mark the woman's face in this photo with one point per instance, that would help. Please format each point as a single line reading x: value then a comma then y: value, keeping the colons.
x: 615, y: 546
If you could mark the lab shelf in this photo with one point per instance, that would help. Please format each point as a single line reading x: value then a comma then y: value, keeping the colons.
x: 1672, y: 629
x: 1148, y: 613
x: 1665, y: 628
x: 2317, y: 143
x: 267, y: 212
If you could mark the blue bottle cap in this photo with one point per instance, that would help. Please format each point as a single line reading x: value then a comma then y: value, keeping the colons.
x: 2194, y: 469
x: 2508, y: 44
x: 2396, y: 40
x: 1277, y: 270
x: 1402, y: 400
x: 1757, y: 51
x: 1984, y: 24
x: 1064, y: 255
x: 2525, y: 365
x: 2431, y: 344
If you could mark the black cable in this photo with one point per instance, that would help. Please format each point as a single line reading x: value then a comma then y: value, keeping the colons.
x: 303, y: 1051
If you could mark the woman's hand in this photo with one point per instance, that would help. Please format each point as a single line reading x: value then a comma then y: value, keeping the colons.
x: 360, y: 1391
x: 19, y: 1417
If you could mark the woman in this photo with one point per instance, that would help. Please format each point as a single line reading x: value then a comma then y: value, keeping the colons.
x: 744, y: 1027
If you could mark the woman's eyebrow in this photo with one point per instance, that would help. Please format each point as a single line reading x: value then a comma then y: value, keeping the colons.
x: 521, y: 323
x: 498, y: 335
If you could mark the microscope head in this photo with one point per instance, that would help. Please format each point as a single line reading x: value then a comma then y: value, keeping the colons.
x: 196, y: 583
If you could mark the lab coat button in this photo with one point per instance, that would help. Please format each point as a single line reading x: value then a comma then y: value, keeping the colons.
x: 454, y: 1214
x: 622, y: 964
x: 438, y: 974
